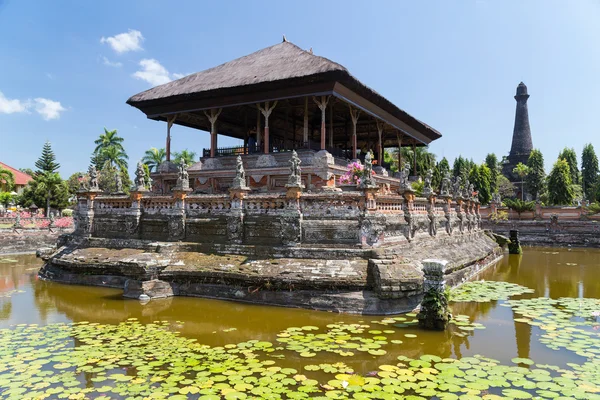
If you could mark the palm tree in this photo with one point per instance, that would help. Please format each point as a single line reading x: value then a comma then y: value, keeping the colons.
x: 521, y: 170
x: 7, y: 178
x: 114, y: 156
x: 154, y: 157
x: 108, y: 139
x: 185, y: 157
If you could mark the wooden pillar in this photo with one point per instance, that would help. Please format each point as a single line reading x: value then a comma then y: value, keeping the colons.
x: 266, y: 112
x: 170, y: 121
x: 287, y: 128
x: 380, y: 126
x: 212, y: 118
x: 399, y: 138
x: 245, y: 132
x: 331, y: 125
x: 354, y: 114
x: 415, y: 157
x: 305, y: 137
x: 323, y: 107
x: 258, y: 130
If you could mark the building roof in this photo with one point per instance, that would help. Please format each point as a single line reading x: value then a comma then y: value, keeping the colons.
x: 21, y: 178
x: 283, y: 65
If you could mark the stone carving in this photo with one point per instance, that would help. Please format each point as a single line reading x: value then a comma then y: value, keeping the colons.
x: 404, y: 183
x: 446, y: 182
x: 367, y: 175
x: 295, y: 178
x: 434, y: 312
x: 17, y: 223
x: 140, y: 178
x: 239, y: 182
x: 465, y: 192
x: 93, y: 179
x: 291, y: 229
x: 432, y: 220
x: 496, y: 199
x: 81, y: 180
x: 456, y: 190
x: 118, y: 183
x: 471, y: 191
x: 51, y: 224
x: 266, y: 161
x: 183, y: 178
x: 427, y: 189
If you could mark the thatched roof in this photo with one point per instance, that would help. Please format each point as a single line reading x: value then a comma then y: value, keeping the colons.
x: 283, y: 65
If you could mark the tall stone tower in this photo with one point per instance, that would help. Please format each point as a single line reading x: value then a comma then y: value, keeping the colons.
x: 521, y: 140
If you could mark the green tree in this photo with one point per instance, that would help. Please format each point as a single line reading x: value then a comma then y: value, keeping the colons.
x: 536, y: 176
x: 47, y: 161
x: 5, y: 199
x: 492, y: 163
x: 425, y: 159
x: 570, y: 157
x: 28, y: 171
x: 480, y: 178
x: 520, y: 206
x: 7, y: 179
x: 461, y: 168
x: 147, y: 177
x: 114, y: 157
x: 185, y: 156
x: 46, y: 188
x: 108, y: 139
x: 505, y: 187
x: 439, y: 171
x: 589, y: 172
x: 560, y: 189
x: 154, y: 157
x: 107, y: 179
x: 73, y: 181
x: 108, y: 145
x: 521, y: 171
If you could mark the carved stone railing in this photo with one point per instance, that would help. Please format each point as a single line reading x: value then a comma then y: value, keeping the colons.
x: 332, y: 204
x: 264, y: 204
x: 153, y: 204
x: 112, y: 203
x: 390, y: 204
x: 207, y: 204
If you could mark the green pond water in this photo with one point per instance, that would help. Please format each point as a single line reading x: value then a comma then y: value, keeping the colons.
x: 532, y: 333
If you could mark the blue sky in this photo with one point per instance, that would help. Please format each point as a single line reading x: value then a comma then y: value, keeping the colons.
x: 454, y: 65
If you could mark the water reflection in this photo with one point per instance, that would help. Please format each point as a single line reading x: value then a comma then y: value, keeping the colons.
x: 550, y: 272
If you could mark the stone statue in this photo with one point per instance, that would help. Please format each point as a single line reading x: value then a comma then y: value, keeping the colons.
x: 140, y: 178
x: 471, y: 191
x: 367, y: 176
x: 51, y: 224
x: 17, y: 223
x: 93, y: 179
x: 465, y: 193
x: 404, y: 173
x: 456, y: 191
x: 183, y: 178
x: 427, y: 189
x: 295, y: 178
x: 239, y: 182
x: 119, y: 182
x: 445, y: 188
x: 81, y: 180
x: 496, y: 198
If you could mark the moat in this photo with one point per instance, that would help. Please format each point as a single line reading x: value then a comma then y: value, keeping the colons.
x: 113, y: 349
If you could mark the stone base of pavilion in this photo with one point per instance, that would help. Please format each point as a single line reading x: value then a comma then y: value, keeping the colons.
x: 356, y: 251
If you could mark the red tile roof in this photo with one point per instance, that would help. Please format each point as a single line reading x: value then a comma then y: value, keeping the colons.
x: 21, y: 178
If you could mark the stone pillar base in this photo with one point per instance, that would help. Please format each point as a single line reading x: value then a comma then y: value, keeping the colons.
x: 146, y: 290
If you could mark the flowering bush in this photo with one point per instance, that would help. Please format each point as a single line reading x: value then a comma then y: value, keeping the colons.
x: 354, y: 174
x: 67, y: 212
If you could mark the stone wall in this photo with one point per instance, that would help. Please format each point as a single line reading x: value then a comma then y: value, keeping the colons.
x: 28, y: 240
x: 557, y: 232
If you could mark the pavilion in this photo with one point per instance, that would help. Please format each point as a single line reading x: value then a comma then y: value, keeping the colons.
x: 278, y: 99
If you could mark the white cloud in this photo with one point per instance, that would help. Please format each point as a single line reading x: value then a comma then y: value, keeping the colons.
x: 48, y: 109
x: 124, y: 42
x: 152, y: 72
x: 10, y: 106
x: 109, y: 63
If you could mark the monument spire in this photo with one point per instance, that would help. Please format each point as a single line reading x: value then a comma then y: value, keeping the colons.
x: 522, y: 145
x: 521, y: 141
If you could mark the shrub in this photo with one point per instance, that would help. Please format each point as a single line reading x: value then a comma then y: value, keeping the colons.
x: 498, y: 216
x: 67, y: 212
